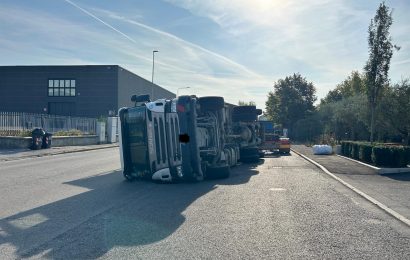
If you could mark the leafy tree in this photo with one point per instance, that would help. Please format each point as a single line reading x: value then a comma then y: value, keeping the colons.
x: 244, y: 103
x: 378, y: 64
x: 291, y: 100
x: 346, y: 118
x: 394, y: 110
x: 308, y: 129
x: 354, y: 84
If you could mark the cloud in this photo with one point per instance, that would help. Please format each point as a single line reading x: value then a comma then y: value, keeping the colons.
x: 39, y: 37
x: 323, y: 40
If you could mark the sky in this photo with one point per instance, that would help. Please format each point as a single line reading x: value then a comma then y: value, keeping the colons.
x: 236, y: 49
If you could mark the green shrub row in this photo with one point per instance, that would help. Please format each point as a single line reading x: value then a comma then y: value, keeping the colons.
x: 378, y: 154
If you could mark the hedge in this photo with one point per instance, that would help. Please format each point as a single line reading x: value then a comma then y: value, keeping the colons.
x: 354, y: 151
x: 395, y: 156
x: 365, y: 153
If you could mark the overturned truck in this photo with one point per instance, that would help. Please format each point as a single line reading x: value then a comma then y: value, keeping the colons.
x: 188, y: 138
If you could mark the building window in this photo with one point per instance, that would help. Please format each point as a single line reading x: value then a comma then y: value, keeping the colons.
x: 61, y: 87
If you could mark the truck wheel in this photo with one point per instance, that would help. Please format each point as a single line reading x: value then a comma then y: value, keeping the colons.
x: 128, y: 177
x: 259, y: 112
x: 195, y: 178
x: 244, y: 109
x: 284, y: 151
x: 244, y: 113
x: 251, y: 159
x: 219, y: 172
x: 249, y: 155
x: 211, y: 103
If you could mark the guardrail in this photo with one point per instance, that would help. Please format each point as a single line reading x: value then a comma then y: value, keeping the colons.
x: 14, y: 123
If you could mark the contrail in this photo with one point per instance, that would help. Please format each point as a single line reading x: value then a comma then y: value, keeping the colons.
x: 101, y: 21
x: 165, y: 34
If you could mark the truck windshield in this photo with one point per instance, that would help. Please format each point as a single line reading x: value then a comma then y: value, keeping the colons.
x: 136, y: 131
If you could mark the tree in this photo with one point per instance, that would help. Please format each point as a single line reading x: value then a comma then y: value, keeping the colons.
x: 244, y: 103
x: 291, y: 100
x: 378, y: 64
x: 353, y: 85
x: 394, y: 110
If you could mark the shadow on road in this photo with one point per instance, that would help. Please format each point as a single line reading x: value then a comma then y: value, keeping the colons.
x: 111, y: 213
x: 404, y: 176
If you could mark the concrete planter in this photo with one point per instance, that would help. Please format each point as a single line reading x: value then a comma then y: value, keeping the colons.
x: 13, y: 142
x: 74, y: 140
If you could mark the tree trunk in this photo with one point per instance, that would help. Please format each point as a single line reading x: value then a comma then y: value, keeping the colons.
x: 372, y: 111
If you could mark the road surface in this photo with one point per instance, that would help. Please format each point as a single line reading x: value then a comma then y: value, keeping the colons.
x: 77, y: 206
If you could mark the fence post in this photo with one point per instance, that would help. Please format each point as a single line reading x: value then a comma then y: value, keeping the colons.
x: 112, y: 129
x: 101, y: 132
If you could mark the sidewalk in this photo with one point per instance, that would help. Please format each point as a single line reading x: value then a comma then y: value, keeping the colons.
x: 16, y: 154
x: 393, y: 190
x: 335, y: 164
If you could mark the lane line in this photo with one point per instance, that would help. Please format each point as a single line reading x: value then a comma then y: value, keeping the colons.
x: 361, y: 193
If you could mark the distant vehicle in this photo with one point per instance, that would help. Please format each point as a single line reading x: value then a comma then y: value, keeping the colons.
x: 272, y: 139
x: 284, y: 145
x: 187, y: 138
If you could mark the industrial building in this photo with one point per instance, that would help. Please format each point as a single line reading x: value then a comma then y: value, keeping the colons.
x: 84, y: 90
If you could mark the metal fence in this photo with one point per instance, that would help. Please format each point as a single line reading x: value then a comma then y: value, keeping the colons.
x: 13, y: 123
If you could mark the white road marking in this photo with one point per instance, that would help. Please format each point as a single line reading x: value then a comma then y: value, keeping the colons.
x: 277, y: 189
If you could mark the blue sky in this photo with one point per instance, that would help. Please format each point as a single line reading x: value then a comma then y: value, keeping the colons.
x: 236, y: 49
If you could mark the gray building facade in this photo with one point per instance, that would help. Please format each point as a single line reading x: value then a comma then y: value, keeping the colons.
x: 84, y: 90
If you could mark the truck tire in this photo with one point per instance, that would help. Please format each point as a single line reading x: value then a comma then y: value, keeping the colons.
x: 211, y: 103
x: 244, y: 109
x: 259, y: 112
x: 218, y: 172
x: 244, y: 113
x: 128, y: 177
x: 251, y: 159
x: 196, y: 177
x: 249, y: 155
x: 284, y: 151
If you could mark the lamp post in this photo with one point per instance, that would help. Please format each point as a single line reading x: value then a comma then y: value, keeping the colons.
x: 181, y: 88
x: 152, y: 80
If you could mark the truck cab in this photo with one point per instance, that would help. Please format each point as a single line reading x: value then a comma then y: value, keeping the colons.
x: 148, y: 141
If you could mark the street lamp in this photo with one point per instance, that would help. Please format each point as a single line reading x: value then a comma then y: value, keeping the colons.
x: 181, y: 88
x: 152, y: 80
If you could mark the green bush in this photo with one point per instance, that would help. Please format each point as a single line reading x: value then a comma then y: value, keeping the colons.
x: 407, y: 152
x: 25, y: 133
x: 354, y: 151
x: 365, y: 152
x: 72, y: 132
x: 381, y: 156
x: 346, y: 148
x: 343, y: 146
x: 391, y: 156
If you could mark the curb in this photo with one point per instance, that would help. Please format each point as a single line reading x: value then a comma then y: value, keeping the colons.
x: 381, y: 171
x: 359, y: 192
x: 57, y: 153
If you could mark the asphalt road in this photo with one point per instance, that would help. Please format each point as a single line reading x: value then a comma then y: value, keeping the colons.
x: 77, y: 206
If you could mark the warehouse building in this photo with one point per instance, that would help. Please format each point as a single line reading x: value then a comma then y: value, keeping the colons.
x: 85, y: 90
